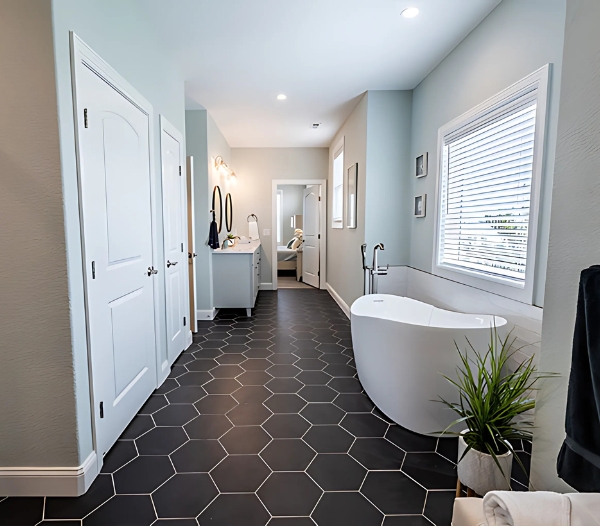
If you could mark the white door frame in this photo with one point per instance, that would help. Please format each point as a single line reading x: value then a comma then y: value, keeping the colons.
x: 83, y: 56
x: 169, y: 129
x: 323, y: 227
x: 191, y: 238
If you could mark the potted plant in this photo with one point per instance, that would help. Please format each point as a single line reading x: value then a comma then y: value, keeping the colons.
x: 492, y: 405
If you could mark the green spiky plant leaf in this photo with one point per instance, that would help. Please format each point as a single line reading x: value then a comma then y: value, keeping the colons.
x: 493, y: 401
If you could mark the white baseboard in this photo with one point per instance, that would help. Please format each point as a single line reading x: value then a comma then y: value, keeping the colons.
x: 266, y: 286
x: 338, y: 299
x: 206, y: 314
x: 50, y: 482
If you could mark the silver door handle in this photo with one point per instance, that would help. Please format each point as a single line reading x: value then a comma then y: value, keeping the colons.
x: 152, y: 270
x: 169, y: 263
x: 191, y: 255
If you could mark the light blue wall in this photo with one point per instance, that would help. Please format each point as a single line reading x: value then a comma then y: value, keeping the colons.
x: 119, y: 33
x: 388, y: 188
x: 516, y: 39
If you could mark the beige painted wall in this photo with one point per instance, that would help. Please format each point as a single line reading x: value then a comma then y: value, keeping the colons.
x: 574, y: 228
x: 37, y: 385
x: 344, y: 272
x: 256, y: 168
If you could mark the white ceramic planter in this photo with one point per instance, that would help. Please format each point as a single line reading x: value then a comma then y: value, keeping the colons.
x: 479, y: 472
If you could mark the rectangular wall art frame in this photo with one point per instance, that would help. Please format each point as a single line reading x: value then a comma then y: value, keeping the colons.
x: 351, y: 203
x: 421, y: 205
x: 421, y: 165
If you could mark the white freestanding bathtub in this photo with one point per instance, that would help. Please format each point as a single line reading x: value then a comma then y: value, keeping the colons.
x: 402, y: 347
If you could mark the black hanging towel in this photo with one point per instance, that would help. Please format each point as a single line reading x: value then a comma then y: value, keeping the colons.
x: 213, y: 233
x: 579, y: 458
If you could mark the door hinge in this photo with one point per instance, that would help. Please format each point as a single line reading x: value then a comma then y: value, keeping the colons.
x: 319, y: 236
x: 180, y: 170
x: 319, y: 198
x: 101, y: 409
x: 319, y: 273
x: 85, y: 118
x: 182, y: 247
x: 184, y: 321
x: 93, y: 270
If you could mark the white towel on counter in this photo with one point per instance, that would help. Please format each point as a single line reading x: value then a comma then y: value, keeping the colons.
x: 540, y: 508
x: 253, y: 230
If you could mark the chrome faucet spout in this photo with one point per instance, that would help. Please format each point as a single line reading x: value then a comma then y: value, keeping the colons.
x: 377, y: 270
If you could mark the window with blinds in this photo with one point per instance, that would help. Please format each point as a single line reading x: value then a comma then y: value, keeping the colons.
x: 485, y: 196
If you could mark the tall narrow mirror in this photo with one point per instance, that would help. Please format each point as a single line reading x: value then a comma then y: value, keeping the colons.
x: 228, y: 213
x: 217, y: 208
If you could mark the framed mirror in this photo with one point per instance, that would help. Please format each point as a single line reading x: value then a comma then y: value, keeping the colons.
x: 352, y: 196
x: 217, y: 207
x: 228, y: 213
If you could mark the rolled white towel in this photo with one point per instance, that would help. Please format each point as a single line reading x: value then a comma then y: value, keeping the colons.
x: 585, y: 509
x: 540, y: 508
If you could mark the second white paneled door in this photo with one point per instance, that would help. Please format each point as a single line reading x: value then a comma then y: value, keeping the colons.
x: 175, y: 239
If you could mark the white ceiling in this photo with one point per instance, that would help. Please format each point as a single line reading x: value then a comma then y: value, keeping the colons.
x: 238, y: 55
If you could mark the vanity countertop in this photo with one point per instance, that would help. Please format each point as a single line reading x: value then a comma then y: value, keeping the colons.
x: 239, y: 248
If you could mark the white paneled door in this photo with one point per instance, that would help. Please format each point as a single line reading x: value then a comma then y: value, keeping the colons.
x: 175, y: 242
x: 312, y: 235
x: 115, y: 186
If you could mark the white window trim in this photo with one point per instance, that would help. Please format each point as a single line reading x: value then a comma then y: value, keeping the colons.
x: 340, y: 149
x: 497, y: 285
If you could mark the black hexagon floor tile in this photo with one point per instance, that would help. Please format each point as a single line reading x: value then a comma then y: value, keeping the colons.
x: 285, y: 403
x: 195, y: 378
x: 161, y: 441
x: 288, y: 454
x: 245, y: 440
x: 347, y: 508
x: 255, y: 378
x: 354, y: 403
x: 314, y: 377
x: 337, y: 472
x: 185, y: 495
x: 198, y: 456
x: 134, y: 510
x: 363, y: 425
x: 286, y: 426
x: 208, y: 426
x: 394, y: 493
x: 142, y: 475
x: 318, y: 393
x: 377, y: 454
x: 289, y: 494
x: 249, y: 414
x: 320, y: 414
x: 222, y: 386
x: 235, y: 510
x: 240, y: 474
x: 175, y: 415
x: 409, y: 441
x: 430, y: 470
x: 252, y: 394
x: 75, y: 508
x: 215, y: 404
x: 186, y: 394
x: 139, y: 425
x: 283, y: 359
x: 329, y: 439
x: 284, y: 385
x: 122, y: 452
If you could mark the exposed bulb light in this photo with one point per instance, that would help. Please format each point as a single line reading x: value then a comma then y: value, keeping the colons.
x: 223, y: 169
x: 410, y: 12
x: 281, y: 96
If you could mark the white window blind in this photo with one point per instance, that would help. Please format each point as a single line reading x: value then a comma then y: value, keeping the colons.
x: 485, y: 198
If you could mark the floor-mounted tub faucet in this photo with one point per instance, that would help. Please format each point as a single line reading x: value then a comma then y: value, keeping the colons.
x: 371, y: 273
x: 376, y: 270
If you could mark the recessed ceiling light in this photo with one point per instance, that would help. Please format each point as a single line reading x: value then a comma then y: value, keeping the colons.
x: 410, y: 12
x: 281, y: 96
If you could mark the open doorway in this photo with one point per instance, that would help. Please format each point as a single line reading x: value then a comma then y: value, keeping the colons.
x: 299, y: 234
